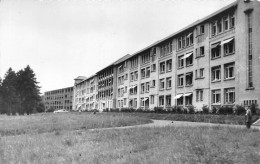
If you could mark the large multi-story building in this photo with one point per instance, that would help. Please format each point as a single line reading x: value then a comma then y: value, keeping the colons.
x: 59, y: 99
x: 214, y: 61
x: 85, y: 93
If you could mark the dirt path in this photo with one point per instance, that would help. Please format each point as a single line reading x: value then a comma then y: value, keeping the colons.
x: 163, y: 123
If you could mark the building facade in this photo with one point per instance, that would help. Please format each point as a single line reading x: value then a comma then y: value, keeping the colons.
x: 214, y: 62
x: 85, y: 93
x: 59, y: 99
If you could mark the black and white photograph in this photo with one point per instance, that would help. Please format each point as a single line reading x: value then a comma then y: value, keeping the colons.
x: 129, y: 81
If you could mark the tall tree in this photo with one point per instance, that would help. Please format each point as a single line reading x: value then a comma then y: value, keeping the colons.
x: 28, y: 90
x: 9, y: 92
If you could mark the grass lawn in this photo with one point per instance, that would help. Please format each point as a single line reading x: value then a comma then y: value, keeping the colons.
x: 210, y: 118
x: 138, y: 145
x: 49, y: 122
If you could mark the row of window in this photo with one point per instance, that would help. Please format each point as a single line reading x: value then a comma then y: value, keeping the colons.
x: 229, y: 96
x: 166, y: 48
x: 185, y: 40
x: 168, y: 83
x: 229, y: 69
x: 165, y: 66
x: 228, y: 48
x: 108, y: 72
x: 222, y: 24
x: 145, y: 72
x: 59, y: 91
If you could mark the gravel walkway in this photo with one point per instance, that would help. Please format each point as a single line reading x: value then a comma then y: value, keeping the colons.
x: 163, y: 123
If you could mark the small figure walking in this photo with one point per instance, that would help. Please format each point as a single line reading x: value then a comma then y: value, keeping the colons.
x: 248, y: 117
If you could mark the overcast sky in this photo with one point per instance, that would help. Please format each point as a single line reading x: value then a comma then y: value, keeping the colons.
x: 62, y: 39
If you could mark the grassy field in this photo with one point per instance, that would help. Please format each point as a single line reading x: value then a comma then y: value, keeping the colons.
x: 139, y: 145
x: 49, y: 122
x: 64, y: 138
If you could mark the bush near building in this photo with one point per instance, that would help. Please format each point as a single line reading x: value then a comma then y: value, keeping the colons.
x: 221, y: 114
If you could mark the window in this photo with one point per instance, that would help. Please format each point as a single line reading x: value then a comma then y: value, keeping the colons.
x: 147, y: 72
x: 142, y: 88
x: 134, y: 62
x: 161, y: 100
x: 147, y: 87
x: 168, y: 83
x: 185, y: 40
x: 168, y: 100
x: 136, y: 75
x: 199, y: 95
x: 161, y: 84
x: 124, y: 101
x: 169, y: 65
x: 202, y: 30
x: 180, y: 101
x: 249, y: 55
x: 142, y: 102
x: 145, y: 58
x: 179, y: 43
x: 162, y: 67
x: 180, y: 80
x: 125, y: 89
x: 153, y: 69
x: 180, y: 61
x: 143, y: 73
x: 215, y: 50
x: 229, y: 70
x: 132, y: 76
x: 188, y: 78
x: 226, y: 22
x: 216, y: 96
x: 213, y: 28
x: 219, y: 24
x: 232, y: 21
x: 135, y: 89
x: 229, y: 46
x: 126, y: 76
x: 153, y: 83
x: 189, y: 60
x: 188, y: 98
x: 229, y: 95
x: 166, y: 48
x: 152, y: 99
x: 216, y: 73
x: 135, y: 102
x: 200, y: 52
x: 200, y: 73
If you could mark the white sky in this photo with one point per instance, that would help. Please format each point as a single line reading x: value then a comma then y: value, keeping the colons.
x: 62, y: 39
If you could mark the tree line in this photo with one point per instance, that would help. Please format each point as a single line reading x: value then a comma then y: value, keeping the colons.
x: 20, y: 93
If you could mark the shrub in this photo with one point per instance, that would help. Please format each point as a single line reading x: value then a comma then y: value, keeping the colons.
x: 254, y: 108
x: 185, y: 110
x: 179, y: 109
x: 51, y: 109
x: 225, y: 110
x: 205, y: 109
x: 191, y: 109
x: 159, y: 110
x: 114, y: 110
x: 140, y: 110
x: 106, y: 110
x: 171, y: 109
x: 127, y: 109
x: 239, y: 110
x: 214, y: 110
